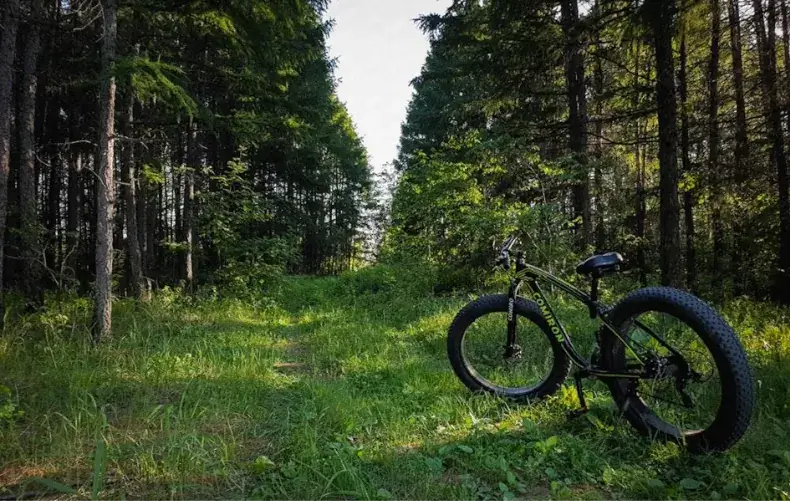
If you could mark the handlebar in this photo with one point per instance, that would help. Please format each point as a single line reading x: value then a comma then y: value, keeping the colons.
x: 504, y: 258
x: 508, y: 244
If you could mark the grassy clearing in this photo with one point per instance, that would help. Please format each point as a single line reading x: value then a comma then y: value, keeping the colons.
x: 338, y: 388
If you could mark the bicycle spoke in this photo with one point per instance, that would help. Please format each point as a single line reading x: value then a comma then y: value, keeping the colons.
x: 680, y: 351
x: 524, y: 366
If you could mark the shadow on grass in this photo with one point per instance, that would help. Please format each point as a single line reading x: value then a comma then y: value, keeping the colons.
x: 344, y: 397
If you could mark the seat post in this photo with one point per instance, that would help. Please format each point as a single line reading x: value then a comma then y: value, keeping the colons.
x: 593, y: 306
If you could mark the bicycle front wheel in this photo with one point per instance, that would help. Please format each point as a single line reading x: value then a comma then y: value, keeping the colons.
x: 533, y: 368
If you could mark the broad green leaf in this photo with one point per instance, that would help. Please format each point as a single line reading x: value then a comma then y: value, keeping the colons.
x: 690, y: 483
x: 53, y: 485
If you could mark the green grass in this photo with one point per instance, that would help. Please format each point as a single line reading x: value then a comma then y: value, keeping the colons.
x: 337, y: 388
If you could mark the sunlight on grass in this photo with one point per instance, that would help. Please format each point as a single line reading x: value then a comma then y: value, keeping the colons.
x: 341, y: 396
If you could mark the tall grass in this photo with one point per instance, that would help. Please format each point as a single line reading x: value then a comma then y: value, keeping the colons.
x: 337, y: 388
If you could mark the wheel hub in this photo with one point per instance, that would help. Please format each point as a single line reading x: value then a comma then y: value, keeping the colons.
x: 512, y: 352
x: 673, y: 367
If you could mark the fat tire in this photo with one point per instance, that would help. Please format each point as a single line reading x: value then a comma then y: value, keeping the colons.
x: 737, y: 397
x: 529, y: 310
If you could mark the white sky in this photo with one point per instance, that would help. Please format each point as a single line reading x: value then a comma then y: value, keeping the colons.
x: 379, y: 49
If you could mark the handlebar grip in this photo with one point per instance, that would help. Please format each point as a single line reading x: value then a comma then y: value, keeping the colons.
x: 509, y: 243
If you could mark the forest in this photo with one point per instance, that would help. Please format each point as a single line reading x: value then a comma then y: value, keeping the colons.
x: 194, y: 144
x: 208, y: 291
x: 658, y: 129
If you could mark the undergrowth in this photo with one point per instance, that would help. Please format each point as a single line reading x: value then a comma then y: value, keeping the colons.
x: 337, y: 388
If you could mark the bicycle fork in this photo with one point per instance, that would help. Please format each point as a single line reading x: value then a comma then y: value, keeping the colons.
x: 511, y: 348
x: 514, y: 350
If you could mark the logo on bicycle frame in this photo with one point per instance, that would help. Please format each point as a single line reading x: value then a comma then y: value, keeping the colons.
x: 549, y: 317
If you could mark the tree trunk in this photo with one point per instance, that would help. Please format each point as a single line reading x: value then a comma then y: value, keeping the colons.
x: 689, y: 221
x: 177, y: 192
x: 52, y: 214
x: 73, y: 211
x: 137, y: 285
x: 178, y: 195
x: 578, y: 118
x: 774, y: 120
x: 662, y: 23
x: 140, y: 204
x: 105, y: 171
x: 718, y: 270
x: 640, y: 213
x: 7, y: 52
x: 90, y: 181
x: 29, y: 223
x: 598, y: 82
x: 741, y: 152
x: 193, y: 160
x: 786, y: 62
x: 152, y: 244
x: 640, y: 208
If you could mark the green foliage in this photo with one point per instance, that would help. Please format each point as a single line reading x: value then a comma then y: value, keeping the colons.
x: 389, y: 280
x: 53, y: 485
x: 226, y: 116
x: 488, y: 137
x: 445, y: 217
x: 470, y: 171
x: 153, y: 81
x: 8, y: 408
x: 232, y: 215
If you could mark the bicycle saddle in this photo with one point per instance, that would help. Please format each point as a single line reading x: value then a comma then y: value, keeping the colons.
x: 600, y: 264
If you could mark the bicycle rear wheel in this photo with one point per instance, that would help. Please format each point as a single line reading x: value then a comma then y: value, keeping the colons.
x: 698, y: 390
x: 477, y: 350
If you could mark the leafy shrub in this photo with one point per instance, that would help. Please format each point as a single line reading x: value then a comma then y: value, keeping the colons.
x: 8, y: 407
x: 414, y: 280
x: 370, y: 280
x: 463, y: 245
x: 234, y: 219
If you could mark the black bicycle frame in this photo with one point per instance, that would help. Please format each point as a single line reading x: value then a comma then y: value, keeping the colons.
x: 532, y: 275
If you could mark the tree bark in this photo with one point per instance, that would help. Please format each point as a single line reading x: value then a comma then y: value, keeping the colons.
x: 741, y: 152
x: 137, y: 285
x: 7, y: 51
x: 141, y: 206
x: 640, y: 208
x: 193, y: 160
x: 578, y: 118
x: 177, y: 191
x: 142, y: 233
x: 686, y: 165
x: 642, y: 265
x: 29, y: 223
x: 774, y: 120
x: 786, y: 62
x: 662, y: 13
x: 73, y: 211
x: 598, y: 82
x: 52, y: 214
x: 151, y: 222
x: 105, y: 171
x: 718, y: 270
